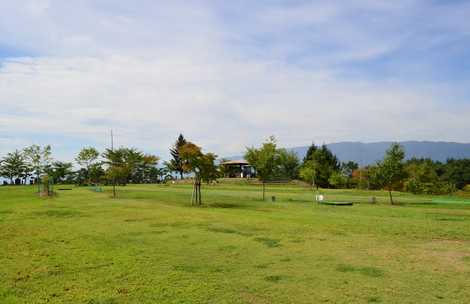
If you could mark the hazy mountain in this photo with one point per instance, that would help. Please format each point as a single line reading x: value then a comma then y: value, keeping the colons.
x: 369, y: 153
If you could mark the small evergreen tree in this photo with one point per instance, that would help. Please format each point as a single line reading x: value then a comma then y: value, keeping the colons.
x: 175, y: 164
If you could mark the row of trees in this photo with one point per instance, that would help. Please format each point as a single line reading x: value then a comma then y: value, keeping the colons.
x: 112, y: 167
x: 322, y: 169
x: 121, y: 165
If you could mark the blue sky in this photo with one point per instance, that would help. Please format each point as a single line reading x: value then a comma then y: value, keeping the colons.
x: 228, y: 74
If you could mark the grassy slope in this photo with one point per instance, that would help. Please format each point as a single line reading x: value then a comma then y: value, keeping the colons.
x: 149, y: 246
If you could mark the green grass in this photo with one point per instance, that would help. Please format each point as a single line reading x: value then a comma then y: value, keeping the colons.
x: 151, y: 246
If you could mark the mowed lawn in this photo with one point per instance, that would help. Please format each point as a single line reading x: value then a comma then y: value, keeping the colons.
x: 151, y: 246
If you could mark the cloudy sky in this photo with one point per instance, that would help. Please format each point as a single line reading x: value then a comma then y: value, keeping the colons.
x: 227, y: 74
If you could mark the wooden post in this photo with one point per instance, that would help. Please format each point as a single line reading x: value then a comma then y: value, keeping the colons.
x: 264, y: 190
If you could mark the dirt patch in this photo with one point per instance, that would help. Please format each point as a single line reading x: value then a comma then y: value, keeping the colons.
x: 446, y: 254
x: 250, y: 298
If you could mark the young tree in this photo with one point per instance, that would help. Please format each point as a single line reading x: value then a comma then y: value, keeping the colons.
x: 265, y: 160
x: 390, y: 171
x: 117, y: 169
x: 60, y: 172
x: 13, y: 165
x: 87, y: 159
x: 175, y: 164
x: 345, y: 174
x: 202, y: 165
x: 38, y: 159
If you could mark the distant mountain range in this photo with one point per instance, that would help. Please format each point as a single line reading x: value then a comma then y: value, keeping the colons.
x: 369, y: 153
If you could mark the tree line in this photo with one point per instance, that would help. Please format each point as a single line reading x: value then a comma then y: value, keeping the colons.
x: 320, y: 168
x: 112, y: 167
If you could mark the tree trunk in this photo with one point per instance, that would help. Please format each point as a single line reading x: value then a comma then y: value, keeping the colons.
x: 114, y: 187
x: 264, y: 190
x: 196, y: 198
x: 390, y: 194
x: 199, y: 190
x: 181, y: 174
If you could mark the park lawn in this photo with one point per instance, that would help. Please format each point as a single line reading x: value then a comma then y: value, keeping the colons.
x: 151, y: 246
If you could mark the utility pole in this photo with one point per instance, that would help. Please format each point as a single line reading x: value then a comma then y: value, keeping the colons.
x: 114, y: 178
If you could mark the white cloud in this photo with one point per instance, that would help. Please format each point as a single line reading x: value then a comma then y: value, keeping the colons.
x: 152, y: 70
x: 224, y: 106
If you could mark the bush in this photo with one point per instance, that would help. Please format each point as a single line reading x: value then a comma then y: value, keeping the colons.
x: 417, y: 187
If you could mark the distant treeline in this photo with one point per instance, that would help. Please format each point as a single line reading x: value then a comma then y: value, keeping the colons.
x: 320, y: 168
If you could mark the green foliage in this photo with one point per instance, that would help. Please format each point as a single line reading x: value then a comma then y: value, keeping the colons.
x: 320, y: 164
x: 338, y: 180
x: 202, y: 165
x: 264, y: 159
x: 288, y: 164
x: 38, y: 158
x: 14, y: 165
x: 61, y: 172
x: 457, y: 172
x: 129, y: 165
x: 390, y: 171
x: 176, y: 164
x: 272, y: 163
x: 308, y: 172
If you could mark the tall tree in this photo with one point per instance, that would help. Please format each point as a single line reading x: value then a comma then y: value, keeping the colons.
x: 145, y: 170
x: 38, y: 159
x: 457, y: 172
x: 288, y: 164
x: 202, y: 165
x: 60, y: 172
x: 87, y: 158
x: 265, y: 160
x: 175, y: 163
x: 322, y: 163
x: 390, y: 171
x: 13, y: 165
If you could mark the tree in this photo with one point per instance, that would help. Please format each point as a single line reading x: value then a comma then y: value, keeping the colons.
x: 265, y: 160
x: 87, y: 159
x: 346, y: 171
x: 116, y: 167
x: 175, y: 164
x: 390, y: 171
x: 202, y: 165
x: 60, y: 172
x: 126, y: 165
x: 146, y: 169
x: 457, y: 172
x: 288, y: 164
x: 324, y: 163
x: 38, y: 159
x: 308, y: 172
x: 13, y: 165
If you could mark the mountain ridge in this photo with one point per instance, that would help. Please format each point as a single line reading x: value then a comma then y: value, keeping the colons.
x: 369, y: 153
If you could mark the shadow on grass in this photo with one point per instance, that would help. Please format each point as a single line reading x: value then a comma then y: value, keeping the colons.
x: 367, y: 271
x: 228, y: 231
x: 268, y: 242
x: 58, y: 213
x: 275, y: 278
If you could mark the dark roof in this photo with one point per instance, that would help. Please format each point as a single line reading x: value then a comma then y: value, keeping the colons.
x: 235, y: 162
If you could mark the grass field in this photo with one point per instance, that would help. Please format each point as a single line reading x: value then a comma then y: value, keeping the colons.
x: 150, y: 246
